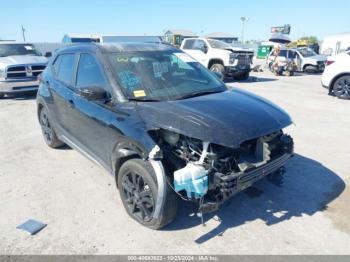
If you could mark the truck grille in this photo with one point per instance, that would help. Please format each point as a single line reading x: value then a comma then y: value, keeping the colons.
x: 244, y: 58
x: 27, y: 71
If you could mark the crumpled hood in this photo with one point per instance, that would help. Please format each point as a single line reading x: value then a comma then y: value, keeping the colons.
x: 241, y: 50
x: 228, y: 118
x: 21, y: 59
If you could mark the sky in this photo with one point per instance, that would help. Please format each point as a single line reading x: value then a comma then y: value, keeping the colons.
x: 49, y: 20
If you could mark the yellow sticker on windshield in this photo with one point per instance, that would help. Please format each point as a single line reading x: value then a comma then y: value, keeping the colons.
x: 139, y: 93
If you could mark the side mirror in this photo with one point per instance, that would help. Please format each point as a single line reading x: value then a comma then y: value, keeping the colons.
x: 218, y: 75
x: 93, y: 93
x: 205, y: 49
x: 48, y: 54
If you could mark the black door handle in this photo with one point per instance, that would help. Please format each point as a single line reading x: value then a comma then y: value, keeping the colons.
x: 71, y: 103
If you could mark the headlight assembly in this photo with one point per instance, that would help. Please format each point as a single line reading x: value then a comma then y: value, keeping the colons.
x: 2, y: 73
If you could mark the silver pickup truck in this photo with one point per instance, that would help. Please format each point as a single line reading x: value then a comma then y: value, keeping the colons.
x: 20, y: 66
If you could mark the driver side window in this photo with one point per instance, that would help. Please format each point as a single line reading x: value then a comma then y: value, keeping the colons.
x: 199, y: 45
x: 89, y: 73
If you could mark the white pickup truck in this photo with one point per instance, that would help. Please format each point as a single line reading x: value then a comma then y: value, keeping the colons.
x: 219, y: 56
x: 20, y: 66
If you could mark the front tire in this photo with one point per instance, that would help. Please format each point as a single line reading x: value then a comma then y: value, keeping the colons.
x: 218, y: 68
x: 49, y: 134
x: 310, y: 69
x: 341, y: 87
x: 138, y: 190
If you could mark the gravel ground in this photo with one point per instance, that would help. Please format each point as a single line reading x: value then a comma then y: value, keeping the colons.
x: 308, y: 214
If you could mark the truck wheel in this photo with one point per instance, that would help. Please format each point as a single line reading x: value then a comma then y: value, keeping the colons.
x: 244, y: 76
x: 138, y: 190
x: 1, y: 96
x: 341, y: 87
x: 49, y: 134
x: 310, y: 69
x: 218, y: 68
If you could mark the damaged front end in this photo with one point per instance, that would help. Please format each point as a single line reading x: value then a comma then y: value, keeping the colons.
x: 210, y: 174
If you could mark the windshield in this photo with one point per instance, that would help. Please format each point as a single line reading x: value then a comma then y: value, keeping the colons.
x: 287, y: 53
x: 218, y: 44
x: 162, y: 75
x: 17, y: 49
x: 307, y: 52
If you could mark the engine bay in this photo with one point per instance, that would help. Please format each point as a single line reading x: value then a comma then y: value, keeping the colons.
x: 210, y: 173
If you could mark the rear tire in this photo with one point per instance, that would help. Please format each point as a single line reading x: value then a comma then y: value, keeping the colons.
x: 341, y: 87
x: 2, y: 96
x: 49, y: 134
x: 218, y: 68
x: 138, y: 191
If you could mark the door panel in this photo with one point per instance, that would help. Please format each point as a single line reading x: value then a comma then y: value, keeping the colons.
x: 90, y: 125
x: 89, y: 121
x: 60, y: 86
x: 198, y: 55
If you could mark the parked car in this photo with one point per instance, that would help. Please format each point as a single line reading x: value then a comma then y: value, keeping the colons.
x: 336, y: 76
x: 283, y: 63
x: 162, y: 124
x: 219, y: 56
x: 20, y: 66
x: 306, y: 59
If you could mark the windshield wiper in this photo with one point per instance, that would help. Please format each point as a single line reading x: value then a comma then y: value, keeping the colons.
x: 200, y: 93
x: 144, y: 100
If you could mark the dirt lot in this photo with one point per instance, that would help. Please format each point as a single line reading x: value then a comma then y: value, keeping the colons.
x: 308, y: 214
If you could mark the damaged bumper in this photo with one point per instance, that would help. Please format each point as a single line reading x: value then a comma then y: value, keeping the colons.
x: 212, y: 174
x: 231, y: 184
x: 236, y: 70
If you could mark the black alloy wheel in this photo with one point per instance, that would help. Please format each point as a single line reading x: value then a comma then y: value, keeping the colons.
x: 341, y: 88
x: 46, y: 127
x: 138, y: 196
x: 49, y: 134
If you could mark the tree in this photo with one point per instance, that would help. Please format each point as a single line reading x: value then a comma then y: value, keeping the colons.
x: 310, y: 39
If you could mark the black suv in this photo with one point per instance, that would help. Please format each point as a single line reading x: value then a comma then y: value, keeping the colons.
x: 162, y: 124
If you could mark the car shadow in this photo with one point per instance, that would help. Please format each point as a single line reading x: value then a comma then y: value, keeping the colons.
x: 64, y: 147
x: 249, y: 80
x: 308, y: 188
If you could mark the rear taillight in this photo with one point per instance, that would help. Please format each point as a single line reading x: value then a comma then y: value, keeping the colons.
x: 329, y: 62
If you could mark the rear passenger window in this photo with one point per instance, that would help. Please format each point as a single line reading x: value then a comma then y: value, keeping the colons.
x: 56, y: 64
x: 66, y: 68
x: 89, y: 73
